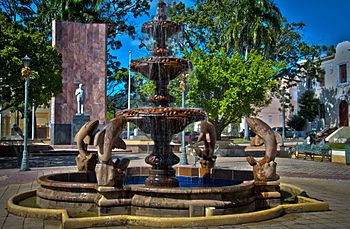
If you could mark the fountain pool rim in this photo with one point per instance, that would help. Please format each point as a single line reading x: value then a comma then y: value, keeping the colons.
x: 305, y: 204
x: 56, y: 183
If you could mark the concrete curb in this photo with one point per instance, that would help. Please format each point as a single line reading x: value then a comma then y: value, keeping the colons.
x: 305, y: 204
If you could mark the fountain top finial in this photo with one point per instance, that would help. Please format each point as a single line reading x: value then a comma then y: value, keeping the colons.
x: 161, y: 11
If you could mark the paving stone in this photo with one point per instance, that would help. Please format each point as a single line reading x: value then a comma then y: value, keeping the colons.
x: 52, y: 224
x: 31, y: 223
x: 13, y: 221
x: 321, y: 180
x: 25, y: 187
x: 2, y: 221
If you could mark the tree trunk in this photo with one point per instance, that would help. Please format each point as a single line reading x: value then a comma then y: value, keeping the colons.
x: 218, y: 129
x: 218, y: 133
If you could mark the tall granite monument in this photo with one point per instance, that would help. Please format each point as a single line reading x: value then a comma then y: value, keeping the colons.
x: 84, y: 61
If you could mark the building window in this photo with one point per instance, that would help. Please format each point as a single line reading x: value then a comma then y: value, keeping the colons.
x: 342, y: 73
x: 321, y: 78
x: 270, y: 120
x: 322, y: 110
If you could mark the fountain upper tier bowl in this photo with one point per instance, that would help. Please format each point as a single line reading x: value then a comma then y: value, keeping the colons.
x: 168, y: 120
x: 159, y: 28
x: 161, y: 68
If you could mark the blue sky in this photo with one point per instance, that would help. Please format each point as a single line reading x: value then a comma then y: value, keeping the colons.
x: 327, y: 23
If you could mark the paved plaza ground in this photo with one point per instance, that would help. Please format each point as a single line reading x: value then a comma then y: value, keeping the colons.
x: 321, y: 180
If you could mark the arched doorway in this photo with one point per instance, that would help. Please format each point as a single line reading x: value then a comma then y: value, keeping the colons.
x: 343, y: 113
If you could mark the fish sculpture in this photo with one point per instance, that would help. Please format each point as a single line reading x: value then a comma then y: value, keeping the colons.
x: 208, y: 136
x: 109, y: 172
x: 265, y: 169
x: 86, y: 161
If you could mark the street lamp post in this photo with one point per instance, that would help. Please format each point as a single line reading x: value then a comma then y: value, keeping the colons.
x: 25, y: 74
x: 183, y: 159
x: 283, y: 118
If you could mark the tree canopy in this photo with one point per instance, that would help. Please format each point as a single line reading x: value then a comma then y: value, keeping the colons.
x: 16, y: 41
x: 244, y: 28
x: 309, y: 105
x: 229, y: 87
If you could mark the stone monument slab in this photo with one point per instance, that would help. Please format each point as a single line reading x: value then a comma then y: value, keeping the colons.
x: 84, y: 61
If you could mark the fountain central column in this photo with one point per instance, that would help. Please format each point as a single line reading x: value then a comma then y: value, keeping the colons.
x: 162, y: 159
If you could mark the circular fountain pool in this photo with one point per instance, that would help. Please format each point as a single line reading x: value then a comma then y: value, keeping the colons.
x: 77, y: 200
x: 227, y: 191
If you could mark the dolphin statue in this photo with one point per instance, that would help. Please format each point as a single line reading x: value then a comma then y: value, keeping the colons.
x: 110, y: 173
x: 265, y: 169
x: 86, y: 161
x: 265, y: 132
x: 208, y: 136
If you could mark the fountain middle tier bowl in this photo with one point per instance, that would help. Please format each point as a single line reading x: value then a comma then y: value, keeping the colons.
x: 161, y: 68
x: 155, y: 120
x: 157, y: 28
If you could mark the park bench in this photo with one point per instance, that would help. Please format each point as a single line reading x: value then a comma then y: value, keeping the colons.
x: 321, y: 149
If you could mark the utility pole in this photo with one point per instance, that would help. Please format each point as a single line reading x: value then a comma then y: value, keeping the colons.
x: 33, y: 119
x: 129, y: 88
x: 183, y: 159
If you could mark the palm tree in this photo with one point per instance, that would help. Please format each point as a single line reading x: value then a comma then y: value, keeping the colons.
x: 254, y: 25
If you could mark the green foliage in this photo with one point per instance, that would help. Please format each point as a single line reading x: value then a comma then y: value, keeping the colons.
x: 16, y: 41
x: 296, y: 122
x: 337, y: 146
x: 309, y: 105
x: 109, y: 115
x: 38, y: 15
x: 236, y: 26
x: 245, y: 25
x: 225, y: 28
x: 229, y: 87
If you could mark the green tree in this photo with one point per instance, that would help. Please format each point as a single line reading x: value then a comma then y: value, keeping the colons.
x: 237, y: 26
x: 16, y: 41
x: 302, y: 60
x: 229, y: 87
x: 244, y: 26
x: 296, y: 122
x: 254, y: 26
x: 308, y: 105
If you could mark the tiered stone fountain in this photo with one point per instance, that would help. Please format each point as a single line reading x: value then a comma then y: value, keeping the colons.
x: 160, y: 121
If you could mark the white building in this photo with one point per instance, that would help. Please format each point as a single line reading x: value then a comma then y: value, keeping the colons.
x: 333, y: 88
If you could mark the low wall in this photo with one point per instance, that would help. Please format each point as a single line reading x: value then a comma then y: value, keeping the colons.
x: 338, y: 156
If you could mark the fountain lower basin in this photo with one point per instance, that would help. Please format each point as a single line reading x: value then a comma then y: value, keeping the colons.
x: 76, y: 200
x: 234, y: 192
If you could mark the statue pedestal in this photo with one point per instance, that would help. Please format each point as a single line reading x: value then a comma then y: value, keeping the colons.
x: 77, y: 122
